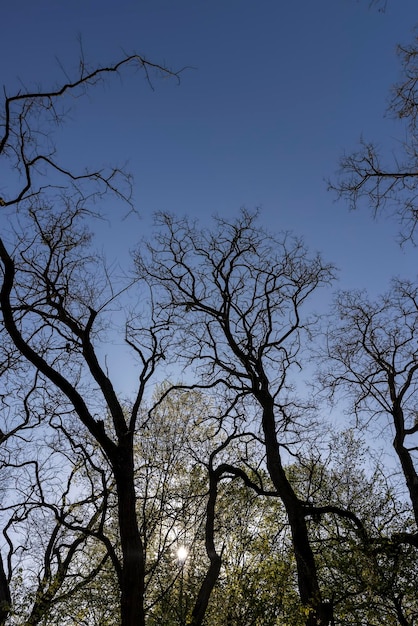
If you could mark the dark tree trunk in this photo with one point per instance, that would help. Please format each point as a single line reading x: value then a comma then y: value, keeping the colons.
x: 404, y: 454
x: 4, y: 595
x: 133, y: 569
x: 320, y: 613
x: 212, y: 574
x: 206, y: 589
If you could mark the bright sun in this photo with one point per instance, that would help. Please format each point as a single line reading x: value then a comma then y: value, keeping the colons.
x: 182, y: 553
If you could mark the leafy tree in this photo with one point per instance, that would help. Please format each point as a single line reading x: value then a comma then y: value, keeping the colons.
x: 257, y: 583
x: 366, y: 574
x: 100, y: 491
x: 237, y: 295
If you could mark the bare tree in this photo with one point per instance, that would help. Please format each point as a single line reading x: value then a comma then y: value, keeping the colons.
x: 368, y: 176
x: 238, y: 295
x: 50, y: 305
x: 51, y: 299
x: 27, y: 149
x: 372, y: 353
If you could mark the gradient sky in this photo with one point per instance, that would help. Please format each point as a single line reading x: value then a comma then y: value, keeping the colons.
x: 279, y: 90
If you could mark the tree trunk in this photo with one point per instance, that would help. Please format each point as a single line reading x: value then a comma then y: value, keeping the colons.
x: 133, y: 569
x: 4, y: 595
x: 320, y: 613
x: 404, y: 456
x: 212, y: 574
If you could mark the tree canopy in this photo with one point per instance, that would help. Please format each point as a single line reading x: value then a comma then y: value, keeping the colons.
x: 220, y: 490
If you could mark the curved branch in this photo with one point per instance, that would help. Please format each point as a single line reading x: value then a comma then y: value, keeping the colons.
x: 39, y: 362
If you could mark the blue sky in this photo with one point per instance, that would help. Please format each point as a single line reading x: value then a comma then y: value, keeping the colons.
x: 280, y: 89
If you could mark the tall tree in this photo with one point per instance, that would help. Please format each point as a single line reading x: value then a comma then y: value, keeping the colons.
x: 51, y: 298
x: 238, y: 294
x: 372, y: 353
